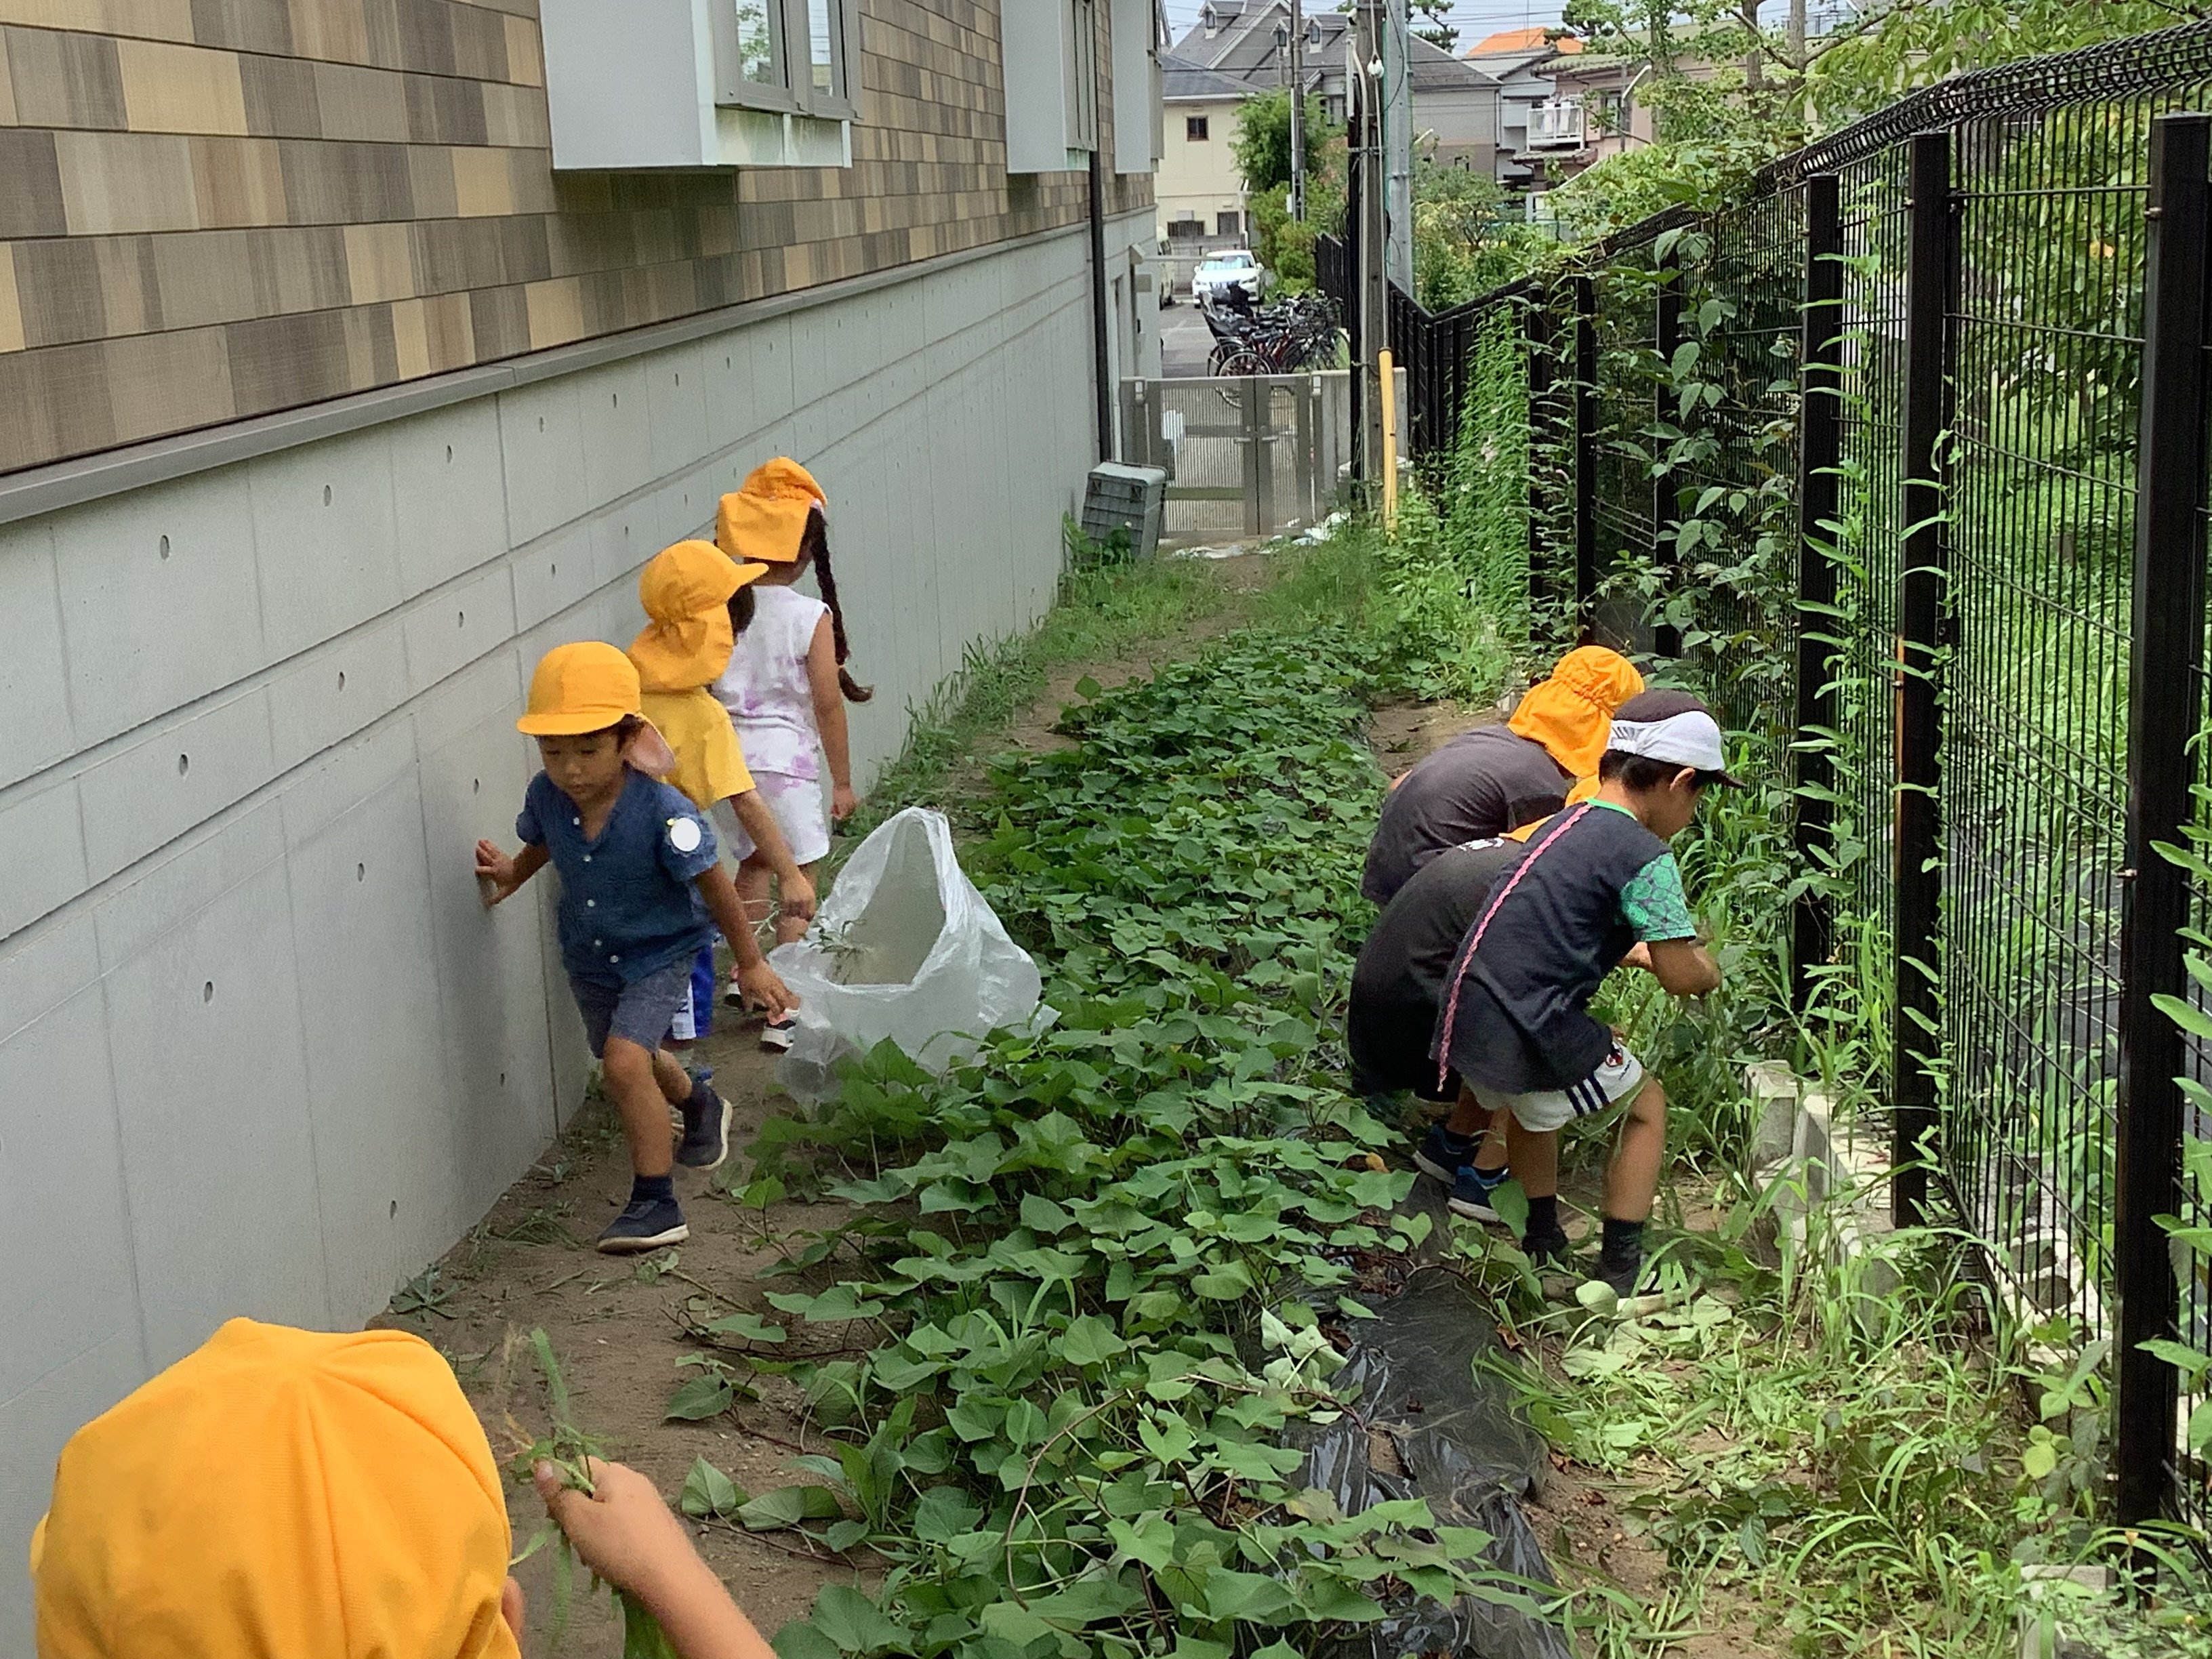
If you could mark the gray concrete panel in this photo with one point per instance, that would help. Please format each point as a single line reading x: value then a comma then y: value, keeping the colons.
x: 542, y: 448
x: 449, y: 496
x: 33, y: 676
x: 324, y: 538
x: 145, y: 795
x: 42, y: 851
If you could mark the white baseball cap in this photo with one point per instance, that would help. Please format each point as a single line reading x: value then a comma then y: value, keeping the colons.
x: 1672, y: 726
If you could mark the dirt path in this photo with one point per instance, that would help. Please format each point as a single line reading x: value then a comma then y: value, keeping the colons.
x: 620, y: 1328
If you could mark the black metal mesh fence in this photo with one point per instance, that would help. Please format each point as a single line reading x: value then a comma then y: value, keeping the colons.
x: 1675, y: 517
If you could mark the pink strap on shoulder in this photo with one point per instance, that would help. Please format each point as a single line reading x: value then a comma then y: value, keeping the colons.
x: 1466, y: 956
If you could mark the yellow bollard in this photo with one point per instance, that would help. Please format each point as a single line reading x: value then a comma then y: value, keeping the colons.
x: 1389, y: 440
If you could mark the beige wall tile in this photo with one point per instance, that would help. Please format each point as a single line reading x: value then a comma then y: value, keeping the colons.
x: 239, y: 181
x: 556, y: 312
x: 11, y: 315
x: 433, y: 336
x: 378, y: 264
x: 526, y: 57
x: 7, y: 89
x: 115, y: 182
x: 170, y: 88
x: 483, y: 186
x: 162, y: 383
x: 362, y: 104
x: 337, y: 32
x: 155, y: 20
x: 128, y: 289
x: 62, y: 79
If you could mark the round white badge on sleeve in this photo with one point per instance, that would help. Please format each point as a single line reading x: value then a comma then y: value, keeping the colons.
x: 684, y: 834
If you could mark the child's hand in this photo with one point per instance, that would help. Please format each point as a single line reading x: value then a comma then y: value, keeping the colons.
x: 764, y: 989
x: 843, y: 803
x: 494, y: 874
x: 622, y: 1530
x: 794, y: 897
x: 1639, y: 956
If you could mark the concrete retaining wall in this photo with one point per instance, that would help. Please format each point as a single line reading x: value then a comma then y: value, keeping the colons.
x: 261, y: 1051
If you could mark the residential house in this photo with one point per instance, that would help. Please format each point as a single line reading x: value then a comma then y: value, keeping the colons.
x: 1533, y: 129
x: 1198, y: 188
x: 353, y: 354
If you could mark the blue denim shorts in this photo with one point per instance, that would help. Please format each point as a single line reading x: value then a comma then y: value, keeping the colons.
x: 641, y: 1011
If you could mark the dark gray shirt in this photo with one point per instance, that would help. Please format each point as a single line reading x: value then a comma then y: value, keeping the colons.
x: 1477, y: 787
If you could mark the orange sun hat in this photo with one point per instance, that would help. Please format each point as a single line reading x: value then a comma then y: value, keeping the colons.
x: 685, y: 590
x: 585, y: 687
x: 279, y: 1491
x: 1570, y: 713
x: 766, y: 517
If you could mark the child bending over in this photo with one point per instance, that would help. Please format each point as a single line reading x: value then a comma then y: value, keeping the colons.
x: 1597, y: 887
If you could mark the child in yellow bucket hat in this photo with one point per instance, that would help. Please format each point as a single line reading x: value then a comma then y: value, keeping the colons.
x: 786, y: 684
x: 286, y: 1492
x: 641, y: 890
x: 685, y: 591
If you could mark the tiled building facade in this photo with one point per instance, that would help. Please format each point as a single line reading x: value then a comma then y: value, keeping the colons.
x: 213, y: 208
x: 326, y: 406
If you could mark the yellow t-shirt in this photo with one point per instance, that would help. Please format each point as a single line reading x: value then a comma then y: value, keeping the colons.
x: 710, y: 763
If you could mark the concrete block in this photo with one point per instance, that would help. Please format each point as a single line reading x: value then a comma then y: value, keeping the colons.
x: 42, y: 850
x: 34, y: 678
x: 553, y: 574
x: 341, y: 781
x: 39, y: 971
x: 676, y: 401
x: 491, y: 688
x: 452, y: 628
x: 748, y: 384
x: 35, y: 1426
x: 63, y: 1223
x: 622, y: 541
x: 324, y: 538
x: 385, y: 1139
x: 542, y: 447
x: 161, y: 894
x: 173, y: 781
x: 490, y: 968
x: 161, y: 603
x: 449, y: 493
x: 217, y: 1150
x: 336, y: 691
x: 1773, y: 1090
x: 614, y: 410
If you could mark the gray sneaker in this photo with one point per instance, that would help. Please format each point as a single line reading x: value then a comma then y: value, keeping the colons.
x: 705, y: 1140
x: 647, y: 1224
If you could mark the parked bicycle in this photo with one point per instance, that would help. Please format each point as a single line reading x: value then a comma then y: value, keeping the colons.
x: 1294, y: 334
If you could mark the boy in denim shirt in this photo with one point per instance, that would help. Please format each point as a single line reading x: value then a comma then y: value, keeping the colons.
x: 641, y: 891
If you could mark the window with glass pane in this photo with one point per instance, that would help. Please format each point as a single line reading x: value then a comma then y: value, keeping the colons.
x: 820, y: 21
x: 757, y: 44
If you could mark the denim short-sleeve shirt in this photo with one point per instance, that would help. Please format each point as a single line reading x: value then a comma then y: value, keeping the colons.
x: 629, y: 907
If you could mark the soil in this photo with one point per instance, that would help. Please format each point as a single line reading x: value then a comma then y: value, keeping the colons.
x: 1403, y: 734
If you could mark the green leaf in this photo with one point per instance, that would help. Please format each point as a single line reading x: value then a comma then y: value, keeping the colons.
x: 751, y: 1326
x: 709, y: 1493
x: 944, y: 1513
x: 1089, y: 690
x: 2038, y: 1459
x: 1089, y: 1341
x: 704, y: 1396
x: 1224, y: 1283
x: 788, y: 1506
x: 800, y: 1639
x: 852, y: 1621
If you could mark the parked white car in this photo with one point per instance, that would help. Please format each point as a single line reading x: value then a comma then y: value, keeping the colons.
x: 1235, y: 269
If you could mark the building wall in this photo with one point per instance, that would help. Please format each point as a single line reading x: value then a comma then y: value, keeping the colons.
x: 1199, y: 177
x: 261, y: 1050
x: 210, y: 210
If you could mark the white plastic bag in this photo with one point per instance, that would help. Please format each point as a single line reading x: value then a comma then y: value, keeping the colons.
x: 904, y: 947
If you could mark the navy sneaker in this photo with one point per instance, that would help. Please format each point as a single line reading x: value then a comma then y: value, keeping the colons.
x: 1443, y: 1155
x: 1622, y: 1277
x: 1554, y: 1250
x: 705, y: 1140
x: 647, y: 1224
x: 1472, y: 1190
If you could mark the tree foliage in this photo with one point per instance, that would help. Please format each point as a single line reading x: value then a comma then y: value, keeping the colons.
x: 1432, y: 23
x: 1262, y: 149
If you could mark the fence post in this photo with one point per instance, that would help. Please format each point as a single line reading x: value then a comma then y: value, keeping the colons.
x: 2164, y: 704
x: 1820, y: 450
x: 1540, y: 335
x: 1585, y: 386
x: 1667, y: 334
x: 1921, y: 603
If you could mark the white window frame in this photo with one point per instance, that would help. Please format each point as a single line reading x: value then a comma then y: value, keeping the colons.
x: 1079, y: 59
x: 792, y: 92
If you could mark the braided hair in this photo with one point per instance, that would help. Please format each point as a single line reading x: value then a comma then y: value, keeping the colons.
x: 814, y: 545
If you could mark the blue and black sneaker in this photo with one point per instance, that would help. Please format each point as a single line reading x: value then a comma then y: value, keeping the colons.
x: 1472, y: 1190
x: 647, y: 1223
x: 1443, y: 1154
x: 705, y: 1140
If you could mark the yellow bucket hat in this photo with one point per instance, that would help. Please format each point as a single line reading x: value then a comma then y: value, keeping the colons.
x: 767, y: 516
x: 1571, y: 713
x: 685, y: 590
x: 279, y: 1491
x: 585, y: 687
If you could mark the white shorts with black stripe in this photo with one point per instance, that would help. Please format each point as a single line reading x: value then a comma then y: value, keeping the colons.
x: 1620, y: 1076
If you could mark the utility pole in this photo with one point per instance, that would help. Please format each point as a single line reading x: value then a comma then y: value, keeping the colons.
x: 1397, y: 141
x: 1362, y: 81
x: 1297, y: 48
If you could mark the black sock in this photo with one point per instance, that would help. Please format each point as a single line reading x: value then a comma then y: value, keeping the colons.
x: 1624, y: 1241
x: 1460, y: 1146
x: 1544, y: 1217
x: 650, y: 1189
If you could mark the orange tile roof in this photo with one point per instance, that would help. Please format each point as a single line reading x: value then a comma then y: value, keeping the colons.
x: 1526, y: 39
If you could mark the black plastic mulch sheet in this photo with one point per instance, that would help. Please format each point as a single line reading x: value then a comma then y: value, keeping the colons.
x: 1434, y: 1428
